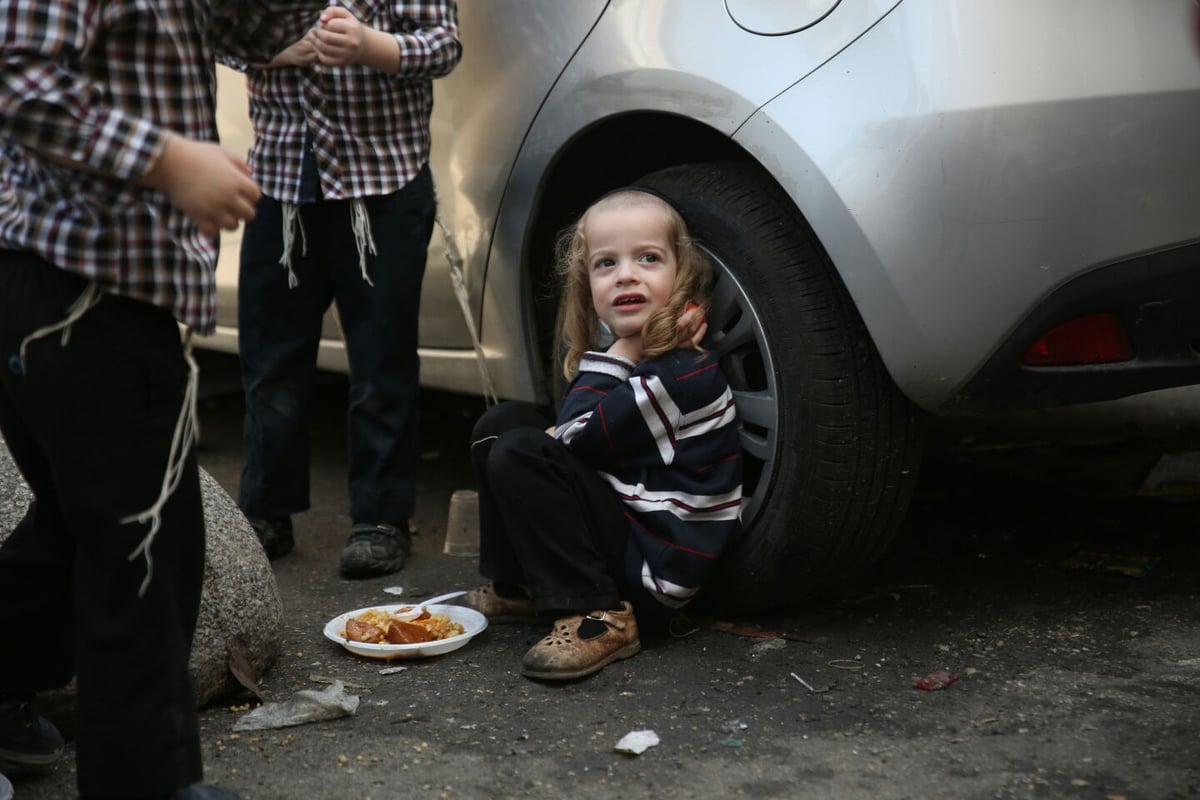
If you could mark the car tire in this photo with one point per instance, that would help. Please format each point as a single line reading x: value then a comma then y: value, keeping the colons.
x: 831, y: 446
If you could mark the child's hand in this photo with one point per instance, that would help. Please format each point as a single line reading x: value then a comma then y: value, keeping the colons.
x: 300, y: 53
x: 690, y: 328
x: 340, y: 38
x: 209, y: 184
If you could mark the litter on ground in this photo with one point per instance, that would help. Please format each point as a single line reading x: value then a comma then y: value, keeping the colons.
x: 635, y: 743
x: 304, y: 706
x: 938, y: 679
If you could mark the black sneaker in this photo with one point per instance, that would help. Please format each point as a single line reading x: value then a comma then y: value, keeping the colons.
x: 275, y: 536
x: 28, y: 741
x: 375, y: 550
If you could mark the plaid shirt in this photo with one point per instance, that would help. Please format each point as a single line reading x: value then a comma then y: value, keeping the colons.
x: 101, y: 82
x: 370, y: 129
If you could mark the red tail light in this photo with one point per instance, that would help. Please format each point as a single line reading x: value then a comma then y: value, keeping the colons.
x: 1095, y: 339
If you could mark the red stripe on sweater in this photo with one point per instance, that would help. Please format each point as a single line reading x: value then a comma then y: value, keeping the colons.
x: 715, y: 415
x: 683, y: 505
x: 667, y: 542
x: 705, y: 468
x: 586, y: 389
x: 696, y: 372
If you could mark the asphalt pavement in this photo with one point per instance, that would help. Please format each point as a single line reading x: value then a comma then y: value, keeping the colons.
x: 1065, y: 625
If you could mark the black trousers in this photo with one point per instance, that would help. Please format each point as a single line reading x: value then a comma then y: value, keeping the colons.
x: 89, y: 425
x: 546, y: 519
x: 279, y: 331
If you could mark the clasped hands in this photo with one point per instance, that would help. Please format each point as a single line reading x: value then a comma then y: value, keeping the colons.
x: 337, y: 39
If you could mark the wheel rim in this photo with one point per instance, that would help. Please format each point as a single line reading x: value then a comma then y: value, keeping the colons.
x: 736, y: 333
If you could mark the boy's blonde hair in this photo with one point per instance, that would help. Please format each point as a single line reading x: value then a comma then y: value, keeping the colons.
x: 579, y: 326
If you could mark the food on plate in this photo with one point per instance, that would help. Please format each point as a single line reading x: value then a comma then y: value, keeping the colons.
x: 400, y: 632
x: 378, y: 626
x: 361, y: 631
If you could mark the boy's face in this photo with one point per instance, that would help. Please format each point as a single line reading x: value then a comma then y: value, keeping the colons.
x: 631, y: 264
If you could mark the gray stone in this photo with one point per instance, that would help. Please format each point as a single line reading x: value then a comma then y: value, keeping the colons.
x: 240, y: 608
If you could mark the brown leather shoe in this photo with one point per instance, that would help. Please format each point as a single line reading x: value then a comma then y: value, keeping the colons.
x: 496, y: 608
x: 563, y: 656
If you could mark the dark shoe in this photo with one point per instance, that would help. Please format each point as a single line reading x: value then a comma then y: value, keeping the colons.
x: 28, y: 741
x: 204, y: 791
x: 564, y: 656
x: 275, y: 536
x: 374, y: 550
x: 497, y: 608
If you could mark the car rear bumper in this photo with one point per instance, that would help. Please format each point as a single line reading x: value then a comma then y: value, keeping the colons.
x: 1155, y: 296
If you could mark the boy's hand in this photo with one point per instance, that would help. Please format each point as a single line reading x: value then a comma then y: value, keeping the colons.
x: 209, y: 184
x: 300, y: 53
x: 340, y: 38
x: 690, y: 328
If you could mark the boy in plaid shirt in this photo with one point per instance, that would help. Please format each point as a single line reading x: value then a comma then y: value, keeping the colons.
x: 112, y: 192
x: 341, y: 148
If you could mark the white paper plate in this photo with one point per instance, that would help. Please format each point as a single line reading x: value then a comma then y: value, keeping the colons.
x: 472, y: 621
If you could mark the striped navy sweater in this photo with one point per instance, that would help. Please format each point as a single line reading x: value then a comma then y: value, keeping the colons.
x: 664, y: 436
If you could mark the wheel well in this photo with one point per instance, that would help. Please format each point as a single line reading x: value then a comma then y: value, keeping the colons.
x: 609, y: 154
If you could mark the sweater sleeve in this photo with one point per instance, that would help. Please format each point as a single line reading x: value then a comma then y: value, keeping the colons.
x: 618, y: 414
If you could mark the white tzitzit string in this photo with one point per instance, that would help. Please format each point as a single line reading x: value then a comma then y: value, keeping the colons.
x: 88, y: 298
x: 186, y: 431
x: 361, y: 223
x: 291, y: 221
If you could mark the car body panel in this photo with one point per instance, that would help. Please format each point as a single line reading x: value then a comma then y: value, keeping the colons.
x: 772, y: 18
x: 954, y: 187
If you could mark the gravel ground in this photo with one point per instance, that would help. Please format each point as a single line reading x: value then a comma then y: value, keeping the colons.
x: 1072, y: 680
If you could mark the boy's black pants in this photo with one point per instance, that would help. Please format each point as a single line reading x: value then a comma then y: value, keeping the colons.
x: 547, y: 520
x: 89, y: 425
x: 279, y: 334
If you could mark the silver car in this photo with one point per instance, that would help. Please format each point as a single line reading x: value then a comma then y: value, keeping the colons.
x: 920, y: 210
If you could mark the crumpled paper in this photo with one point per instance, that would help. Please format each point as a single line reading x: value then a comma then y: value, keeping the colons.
x: 635, y: 743
x: 305, y: 706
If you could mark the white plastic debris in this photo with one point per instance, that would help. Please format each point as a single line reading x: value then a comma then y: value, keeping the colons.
x: 396, y: 590
x: 636, y: 742
x: 305, y: 706
x: 391, y: 670
x: 764, y: 646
